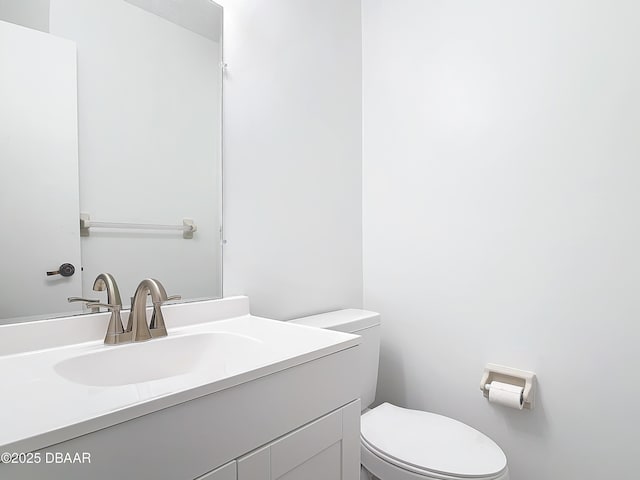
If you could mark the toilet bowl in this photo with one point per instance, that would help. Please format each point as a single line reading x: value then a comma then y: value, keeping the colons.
x: 401, y: 444
x: 398, y: 444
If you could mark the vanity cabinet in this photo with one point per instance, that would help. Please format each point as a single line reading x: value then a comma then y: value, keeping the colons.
x: 300, y: 423
x: 226, y: 472
x: 326, y: 449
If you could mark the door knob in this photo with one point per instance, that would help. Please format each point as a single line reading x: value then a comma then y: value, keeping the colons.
x: 66, y: 270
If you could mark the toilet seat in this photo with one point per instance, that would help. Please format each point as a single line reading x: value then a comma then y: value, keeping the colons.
x: 413, y: 444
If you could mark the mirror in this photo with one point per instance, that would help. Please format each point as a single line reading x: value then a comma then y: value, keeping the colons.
x: 110, y: 112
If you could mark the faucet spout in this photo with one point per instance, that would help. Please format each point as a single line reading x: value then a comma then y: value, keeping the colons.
x: 158, y: 297
x: 106, y: 281
x: 137, y: 324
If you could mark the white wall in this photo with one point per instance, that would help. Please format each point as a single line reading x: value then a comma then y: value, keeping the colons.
x: 501, y: 218
x: 28, y: 13
x: 292, y: 155
x: 199, y: 16
x: 149, y: 142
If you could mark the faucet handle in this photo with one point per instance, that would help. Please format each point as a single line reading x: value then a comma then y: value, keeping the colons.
x: 168, y: 299
x: 115, y: 327
x: 88, y: 301
x: 80, y: 299
x: 157, y: 325
x: 113, y: 308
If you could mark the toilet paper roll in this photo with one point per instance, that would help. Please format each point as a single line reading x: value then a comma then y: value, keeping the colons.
x: 506, y: 394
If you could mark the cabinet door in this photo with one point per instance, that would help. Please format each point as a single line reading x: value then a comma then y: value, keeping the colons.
x: 326, y: 449
x: 226, y: 472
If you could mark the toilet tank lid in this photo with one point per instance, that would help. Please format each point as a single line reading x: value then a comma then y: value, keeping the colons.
x: 349, y: 320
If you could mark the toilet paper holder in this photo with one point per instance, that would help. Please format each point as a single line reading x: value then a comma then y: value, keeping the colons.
x: 513, y: 376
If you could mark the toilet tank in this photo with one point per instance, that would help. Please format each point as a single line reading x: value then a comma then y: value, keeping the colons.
x: 359, y: 322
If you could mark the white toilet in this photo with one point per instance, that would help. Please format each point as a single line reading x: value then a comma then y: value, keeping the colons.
x: 402, y: 444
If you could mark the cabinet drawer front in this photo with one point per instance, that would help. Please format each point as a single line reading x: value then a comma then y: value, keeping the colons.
x: 255, y: 465
x: 306, y: 442
x: 326, y: 465
x: 226, y: 472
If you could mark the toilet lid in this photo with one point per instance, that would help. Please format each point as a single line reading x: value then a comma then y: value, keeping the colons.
x: 431, y: 443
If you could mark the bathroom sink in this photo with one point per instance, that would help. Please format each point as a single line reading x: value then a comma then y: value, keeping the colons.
x: 212, y: 346
x: 214, y: 354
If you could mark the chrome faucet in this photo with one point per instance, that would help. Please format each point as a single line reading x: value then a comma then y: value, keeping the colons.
x: 138, y: 317
x: 137, y: 328
x: 106, y: 281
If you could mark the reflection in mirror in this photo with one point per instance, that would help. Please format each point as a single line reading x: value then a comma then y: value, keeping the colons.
x: 110, y: 110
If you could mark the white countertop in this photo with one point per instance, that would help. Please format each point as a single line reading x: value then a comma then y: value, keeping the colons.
x: 39, y: 407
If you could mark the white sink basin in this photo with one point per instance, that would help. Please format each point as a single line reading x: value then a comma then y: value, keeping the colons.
x: 216, y: 353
